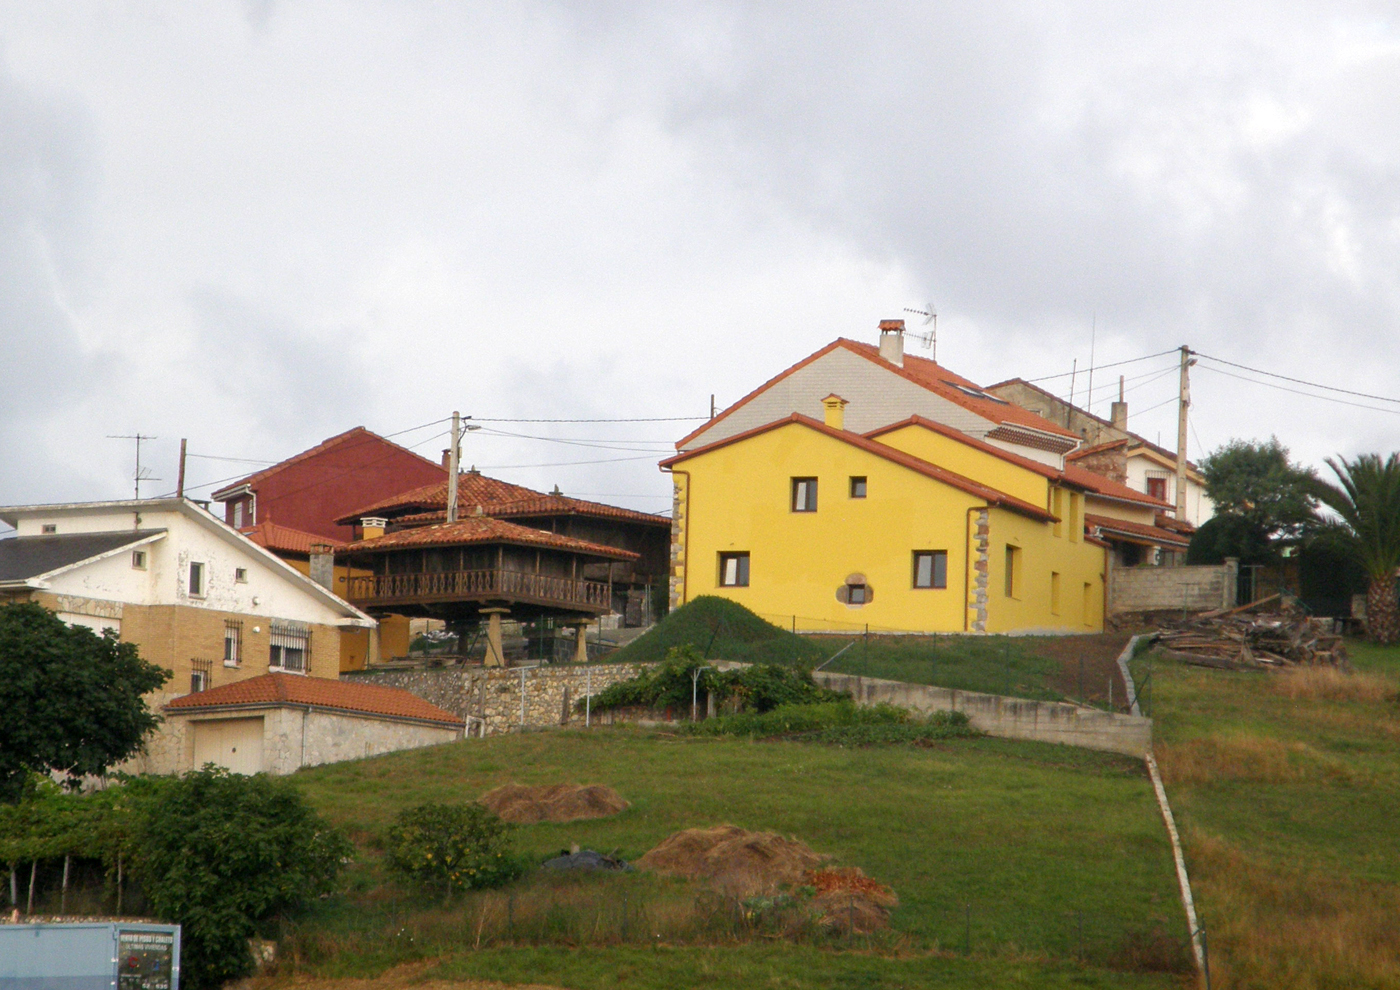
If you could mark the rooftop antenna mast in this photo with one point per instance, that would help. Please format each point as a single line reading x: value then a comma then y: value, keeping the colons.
x: 142, y: 474
x: 930, y: 338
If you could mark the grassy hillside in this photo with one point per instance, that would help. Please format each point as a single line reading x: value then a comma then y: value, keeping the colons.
x: 721, y: 629
x: 1288, y: 789
x: 1022, y: 864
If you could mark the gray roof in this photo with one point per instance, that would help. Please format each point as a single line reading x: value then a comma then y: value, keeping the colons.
x: 29, y: 556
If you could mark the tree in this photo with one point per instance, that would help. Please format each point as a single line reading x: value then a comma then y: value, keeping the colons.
x: 1256, y: 481
x: 1367, y: 498
x: 1230, y: 536
x: 221, y: 854
x: 70, y: 701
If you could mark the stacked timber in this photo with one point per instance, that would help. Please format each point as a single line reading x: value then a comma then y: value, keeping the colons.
x: 1251, y: 638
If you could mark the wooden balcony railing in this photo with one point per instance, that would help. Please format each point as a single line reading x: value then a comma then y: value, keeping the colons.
x: 447, y: 586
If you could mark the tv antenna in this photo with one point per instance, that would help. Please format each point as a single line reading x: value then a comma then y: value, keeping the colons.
x: 142, y: 474
x: 929, y: 338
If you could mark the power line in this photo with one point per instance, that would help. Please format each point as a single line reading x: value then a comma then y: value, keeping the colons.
x: 606, y: 460
x: 1297, y: 381
x: 1113, y: 364
x: 1310, y: 395
x: 644, y: 419
x: 489, y: 431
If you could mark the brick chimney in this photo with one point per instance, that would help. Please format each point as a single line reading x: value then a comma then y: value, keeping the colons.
x: 1118, y: 413
x: 892, y: 341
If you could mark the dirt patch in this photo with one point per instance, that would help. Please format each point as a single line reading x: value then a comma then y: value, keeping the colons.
x: 1090, y: 661
x: 734, y: 860
x: 398, y: 978
x: 553, y: 802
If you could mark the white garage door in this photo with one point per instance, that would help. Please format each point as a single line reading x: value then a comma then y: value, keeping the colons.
x: 236, y: 743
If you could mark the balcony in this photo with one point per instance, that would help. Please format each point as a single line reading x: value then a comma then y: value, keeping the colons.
x: 492, y: 585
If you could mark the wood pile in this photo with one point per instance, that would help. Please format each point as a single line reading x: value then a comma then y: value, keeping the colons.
x: 1249, y: 638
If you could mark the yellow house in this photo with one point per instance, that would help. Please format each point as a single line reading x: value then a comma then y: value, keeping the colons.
x: 824, y: 529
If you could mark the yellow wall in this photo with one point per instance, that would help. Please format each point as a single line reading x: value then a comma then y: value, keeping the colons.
x: 739, y: 499
x: 1146, y: 514
x: 969, y: 462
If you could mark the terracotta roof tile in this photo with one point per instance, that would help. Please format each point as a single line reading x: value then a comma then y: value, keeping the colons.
x: 1109, y: 488
x: 1150, y: 534
x: 320, y: 692
x: 483, y: 529
x: 274, y: 537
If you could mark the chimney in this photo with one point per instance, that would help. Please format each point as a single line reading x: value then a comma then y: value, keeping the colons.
x: 323, y: 565
x: 1118, y: 413
x: 835, y: 411
x: 372, y: 526
x: 447, y: 459
x: 892, y: 341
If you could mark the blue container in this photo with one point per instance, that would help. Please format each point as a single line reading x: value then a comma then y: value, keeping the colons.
x: 90, y: 956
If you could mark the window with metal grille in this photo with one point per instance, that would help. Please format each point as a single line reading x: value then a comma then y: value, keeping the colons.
x: 200, y: 671
x: 233, y: 642
x: 290, y: 649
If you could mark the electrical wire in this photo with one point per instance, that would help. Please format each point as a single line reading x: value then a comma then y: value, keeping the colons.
x: 606, y: 460
x: 1285, y: 388
x: 662, y: 444
x: 644, y: 419
x: 1297, y: 381
x: 1099, y: 367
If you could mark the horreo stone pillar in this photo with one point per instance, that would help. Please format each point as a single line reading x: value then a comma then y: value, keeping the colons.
x: 581, y: 643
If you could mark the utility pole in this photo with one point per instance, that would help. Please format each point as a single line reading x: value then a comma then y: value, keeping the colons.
x: 1183, y: 404
x: 180, y: 484
x: 454, y: 465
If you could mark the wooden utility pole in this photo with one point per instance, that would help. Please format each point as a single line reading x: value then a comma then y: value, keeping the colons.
x: 1183, y: 405
x: 180, y: 484
x: 454, y: 465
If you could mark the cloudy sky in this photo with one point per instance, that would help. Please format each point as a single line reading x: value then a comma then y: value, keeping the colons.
x: 256, y: 224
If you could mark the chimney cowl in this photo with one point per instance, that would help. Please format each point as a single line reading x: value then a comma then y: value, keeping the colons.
x: 892, y: 341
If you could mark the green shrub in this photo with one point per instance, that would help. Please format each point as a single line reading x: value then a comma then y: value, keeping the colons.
x: 684, y: 675
x: 939, y: 725
x: 220, y: 854
x: 840, y: 722
x: 451, y: 847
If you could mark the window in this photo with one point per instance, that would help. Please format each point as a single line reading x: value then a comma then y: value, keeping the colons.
x: 1088, y: 604
x: 930, y: 568
x: 196, y: 580
x: 291, y: 647
x: 1057, y: 509
x: 734, y: 570
x: 238, y: 515
x: 1054, y: 592
x: 240, y: 574
x: 857, y: 487
x: 1157, y: 488
x: 804, y: 494
x: 1013, y: 570
x: 199, y: 675
x: 857, y: 591
x: 48, y: 528
x: 138, y: 559
x: 1076, y: 517
x: 233, y: 642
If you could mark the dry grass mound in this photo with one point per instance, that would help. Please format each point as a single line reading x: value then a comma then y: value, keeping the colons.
x: 734, y: 860
x: 849, y: 901
x: 1331, y: 684
x: 553, y: 802
x: 1251, y: 759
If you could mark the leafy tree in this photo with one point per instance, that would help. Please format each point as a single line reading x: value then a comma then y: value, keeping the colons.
x: 70, y: 700
x: 221, y: 854
x: 1367, y: 498
x: 1257, y: 482
x: 451, y: 847
x: 1230, y: 536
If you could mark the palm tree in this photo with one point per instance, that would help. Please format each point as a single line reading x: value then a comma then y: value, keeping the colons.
x: 1368, y: 502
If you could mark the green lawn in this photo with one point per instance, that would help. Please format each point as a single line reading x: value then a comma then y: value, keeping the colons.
x: 1288, y: 790
x: 1034, y: 857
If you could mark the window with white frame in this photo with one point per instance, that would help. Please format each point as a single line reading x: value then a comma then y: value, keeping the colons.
x: 233, y: 642
x: 196, y: 583
x: 138, y: 559
x: 290, y: 649
x: 200, y: 671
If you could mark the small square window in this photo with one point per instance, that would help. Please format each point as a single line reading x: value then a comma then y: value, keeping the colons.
x: 930, y: 568
x: 857, y: 487
x: 138, y: 559
x: 857, y: 594
x: 804, y: 494
x: 196, y: 580
x: 240, y: 574
x: 48, y: 528
x: 734, y: 570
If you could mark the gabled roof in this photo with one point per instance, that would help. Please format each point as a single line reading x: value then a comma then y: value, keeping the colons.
x: 1136, y: 532
x: 495, y: 498
x: 285, y: 539
x: 922, y: 372
x: 1097, y: 448
x: 357, y: 435
x: 483, y: 530
x: 25, y: 557
x: 270, y: 690
x: 954, y: 480
x: 1072, y: 475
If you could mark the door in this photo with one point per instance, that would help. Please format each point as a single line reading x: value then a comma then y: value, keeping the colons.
x: 235, y: 743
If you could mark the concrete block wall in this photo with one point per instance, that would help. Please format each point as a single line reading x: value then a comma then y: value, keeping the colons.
x: 1011, y: 718
x: 1194, y: 588
x: 493, y: 695
x: 295, y: 738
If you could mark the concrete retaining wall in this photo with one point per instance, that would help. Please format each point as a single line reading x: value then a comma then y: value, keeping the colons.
x: 1194, y: 588
x: 493, y: 695
x: 1012, y: 718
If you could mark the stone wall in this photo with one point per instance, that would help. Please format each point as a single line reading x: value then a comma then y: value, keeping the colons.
x: 490, y: 698
x: 1194, y: 588
x: 1012, y: 718
x: 295, y: 738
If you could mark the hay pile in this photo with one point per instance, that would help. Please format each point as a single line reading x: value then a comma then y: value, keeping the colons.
x: 734, y: 860
x: 850, y: 901
x: 553, y: 802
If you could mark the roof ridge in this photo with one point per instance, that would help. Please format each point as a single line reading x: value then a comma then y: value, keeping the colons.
x: 329, y: 443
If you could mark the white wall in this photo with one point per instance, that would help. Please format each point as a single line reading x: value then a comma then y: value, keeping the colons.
x: 1199, y: 507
